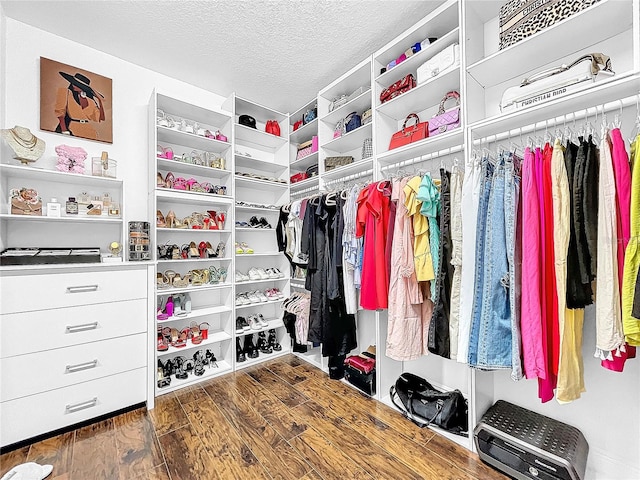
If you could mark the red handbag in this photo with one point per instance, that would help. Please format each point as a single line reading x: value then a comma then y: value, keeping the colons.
x: 364, y: 365
x: 297, y: 125
x: 398, y: 88
x: 298, y: 177
x: 408, y: 135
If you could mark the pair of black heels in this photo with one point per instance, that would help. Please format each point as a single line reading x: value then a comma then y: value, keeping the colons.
x: 181, y: 367
x: 262, y: 223
x: 262, y: 345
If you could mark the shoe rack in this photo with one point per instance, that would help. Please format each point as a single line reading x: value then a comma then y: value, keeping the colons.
x: 261, y: 174
x: 192, y: 195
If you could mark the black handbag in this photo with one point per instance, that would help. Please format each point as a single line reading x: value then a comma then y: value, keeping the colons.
x: 421, y: 403
x: 247, y: 121
x: 352, y: 121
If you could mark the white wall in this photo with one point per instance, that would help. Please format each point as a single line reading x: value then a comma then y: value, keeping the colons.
x: 132, y: 88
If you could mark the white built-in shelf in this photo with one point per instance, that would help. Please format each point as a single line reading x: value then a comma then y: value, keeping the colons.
x: 190, y: 230
x: 273, y: 323
x: 189, y: 289
x: 192, y: 260
x: 35, y: 173
x: 191, y: 198
x: 245, y: 229
x: 305, y: 132
x: 257, y: 111
x: 198, y: 313
x: 437, y: 143
x: 189, y: 141
x: 358, y: 76
x: 212, y: 116
x: 214, y: 337
x: 257, y: 254
x: 305, y: 162
x: 255, y: 305
x: 257, y: 184
x: 358, y: 104
x: 349, y: 141
x: 263, y: 357
x: 350, y: 169
x: 257, y: 209
x: 254, y: 137
x: 177, y: 384
x: 307, y: 183
x: 425, y: 95
x: 176, y: 166
x: 297, y: 284
x: 264, y: 165
x: 411, y: 64
x: 559, y: 40
x: 267, y: 280
x: 86, y: 219
x: 74, y: 266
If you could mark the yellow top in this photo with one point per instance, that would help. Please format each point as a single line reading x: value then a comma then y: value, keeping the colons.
x: 421, y: 247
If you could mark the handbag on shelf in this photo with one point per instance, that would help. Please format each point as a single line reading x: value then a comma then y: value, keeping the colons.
x: 414, y: 133
x: 367, y: 116
x: 310, y: 115
x: 25, y: 201
x: 312, y: 171
x: 367, y: 148
x: 441, y: 61
x: 362, y: 364
x: 339, y: 130
x: 298, y: 177
x: 247, y: 121
x: 519, y: 19
x: 446, y: 120
x: 352, y: 121
x: 557, y: 82
x: 332, y: 162
x: 398, y: 88
x: 338, y: 102
x: 424, y: 405
x: 355, y: 93
x: 297, y: 125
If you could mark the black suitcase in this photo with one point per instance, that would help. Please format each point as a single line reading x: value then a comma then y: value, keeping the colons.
x: 524, y: 444
x: 365, y: 382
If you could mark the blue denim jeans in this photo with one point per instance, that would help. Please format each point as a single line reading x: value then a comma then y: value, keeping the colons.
x: 486, y: 174
x: 494, y: 334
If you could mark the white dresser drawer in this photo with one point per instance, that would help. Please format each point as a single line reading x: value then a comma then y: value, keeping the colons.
x: 37, y: 414
x: 29, y: 332
x: 26, y: 293
x: 35, y: 373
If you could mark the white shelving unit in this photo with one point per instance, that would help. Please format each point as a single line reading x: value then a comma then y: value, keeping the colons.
x: 211, y: 303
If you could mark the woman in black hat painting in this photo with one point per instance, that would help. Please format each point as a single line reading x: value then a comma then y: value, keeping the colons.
x: 77, y: 106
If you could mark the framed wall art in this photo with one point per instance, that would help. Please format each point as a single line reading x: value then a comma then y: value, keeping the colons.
x: 75, y: 102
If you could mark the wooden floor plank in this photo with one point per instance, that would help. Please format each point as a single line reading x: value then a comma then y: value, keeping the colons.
x: 326, y: 459
x: 190, y: 394
x: 312, y: 475
x: 286, y: 372
x: 56, y: 451
x: 378, y: 462
x: 136, y: 443
x: 94, y: 452
x: 168, y: 414
x: 186, y: 456
x: 158, y: 473
x: 11, y: 459
x: 233, y: 458
x: 281, y: 389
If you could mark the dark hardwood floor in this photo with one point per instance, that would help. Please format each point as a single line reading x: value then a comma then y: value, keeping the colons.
x: 283, y: 419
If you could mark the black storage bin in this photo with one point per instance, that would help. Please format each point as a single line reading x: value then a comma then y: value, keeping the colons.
x: 524, y: 444
x: 362, y: 381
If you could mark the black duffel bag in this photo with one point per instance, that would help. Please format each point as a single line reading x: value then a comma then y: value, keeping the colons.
x: 421, y: 403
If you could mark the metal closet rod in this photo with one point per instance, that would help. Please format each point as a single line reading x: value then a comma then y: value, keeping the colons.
x: 348, y: 178
x: 581, y: 115
x: 305, y: 190
x: 423, y: 158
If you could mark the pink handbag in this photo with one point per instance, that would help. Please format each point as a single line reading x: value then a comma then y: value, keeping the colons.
x: 446, y: 120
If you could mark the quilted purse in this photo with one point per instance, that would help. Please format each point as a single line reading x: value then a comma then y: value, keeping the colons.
x: 407, y: 135
x: 439, y: 62
x: 332, y: 162
x: 338, y: 102
x: 446, y: 120
x: 352, y: 121
x: 398, y: 88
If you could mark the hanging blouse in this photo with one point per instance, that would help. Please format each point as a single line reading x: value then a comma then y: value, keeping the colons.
x: 421, y: 248
x: 429, y: 195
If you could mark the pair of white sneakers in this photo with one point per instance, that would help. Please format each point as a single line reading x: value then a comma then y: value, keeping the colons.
x: 259, y: 274
x: 248, y: 298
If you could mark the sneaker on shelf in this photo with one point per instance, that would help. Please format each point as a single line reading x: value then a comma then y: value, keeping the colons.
x: 278, y: 272
x: 263, y: 274
x: 254, y: 323
x: 263, y: 322
x: 241, y: 299
x: 253, y: 298
x: 261, y: 296
x: 254, y: 274
x: 241, y: 325
x: 270, y: 294
x: 271, y: 273
x: 278, y: 294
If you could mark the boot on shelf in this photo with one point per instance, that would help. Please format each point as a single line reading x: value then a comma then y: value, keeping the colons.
x: 273, y: 341
x: 240, y: 356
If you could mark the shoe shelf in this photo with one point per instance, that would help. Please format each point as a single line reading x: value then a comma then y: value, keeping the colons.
x: 214, y: 286
x: 190, y: 140
x: 190, y: 230
x: 177, y: 384
x: 257, y: 184
x: 192, y: 198
x: 256, y: 209
x: 70, y: 219
x: 350, y: 169
x: 304, y: 162
x: 309, y: 182
x: 193, y: 260
x: 249, y: 229
x: 273, y: 324
x: 304, y: 133
x: 445, y: 141
x: 176, y: 166
x: 258, y: 254
x: 349, y: 141
x: 266, y: 280
x: 262, y: 357
x: 197, y: 313
x: 564, y: 38
x: 359, y: 104
x: 253, y: 137
x: 34, y: 173
x: 214, y: 337
x: 256, y: 304
x: 253, y: 163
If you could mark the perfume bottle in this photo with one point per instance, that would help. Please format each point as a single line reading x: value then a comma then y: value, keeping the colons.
x: 106, y: 200
x: 53, y: 208
x: 114, y: 209
x: 72, y: 206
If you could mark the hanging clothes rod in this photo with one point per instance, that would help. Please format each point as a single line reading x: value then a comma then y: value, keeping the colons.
x: 581, y: 115
x: 305, y: 190
x: 366, y: 173
x: 423, y: 158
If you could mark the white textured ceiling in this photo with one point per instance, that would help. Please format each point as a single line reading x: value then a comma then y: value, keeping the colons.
x: 277, y: 53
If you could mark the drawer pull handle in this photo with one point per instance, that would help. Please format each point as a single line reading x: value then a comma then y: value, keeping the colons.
x: 81, y: 406
x: 82, y: 289
x: 82, y: 328
x: 81, y: 366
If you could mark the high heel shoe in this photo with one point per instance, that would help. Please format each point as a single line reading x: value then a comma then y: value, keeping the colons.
x: 211, y: 359
x: 249, y: 347
x: 273, y: 342
x: 198, y: 363
x: 160, y: 181
x: 220, y: 250
x: 240, y: 355
x: 193, y: 250
x: 160, y: 220
x: 173, y: 221
x: 163, y: 379
x: 168, y: 180
x: 263, y: 345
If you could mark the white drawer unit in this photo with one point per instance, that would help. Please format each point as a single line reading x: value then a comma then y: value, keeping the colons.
x: 28, y: 332
x: 34, y: 373
x: 27, y: 293
x: 38, y: 414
